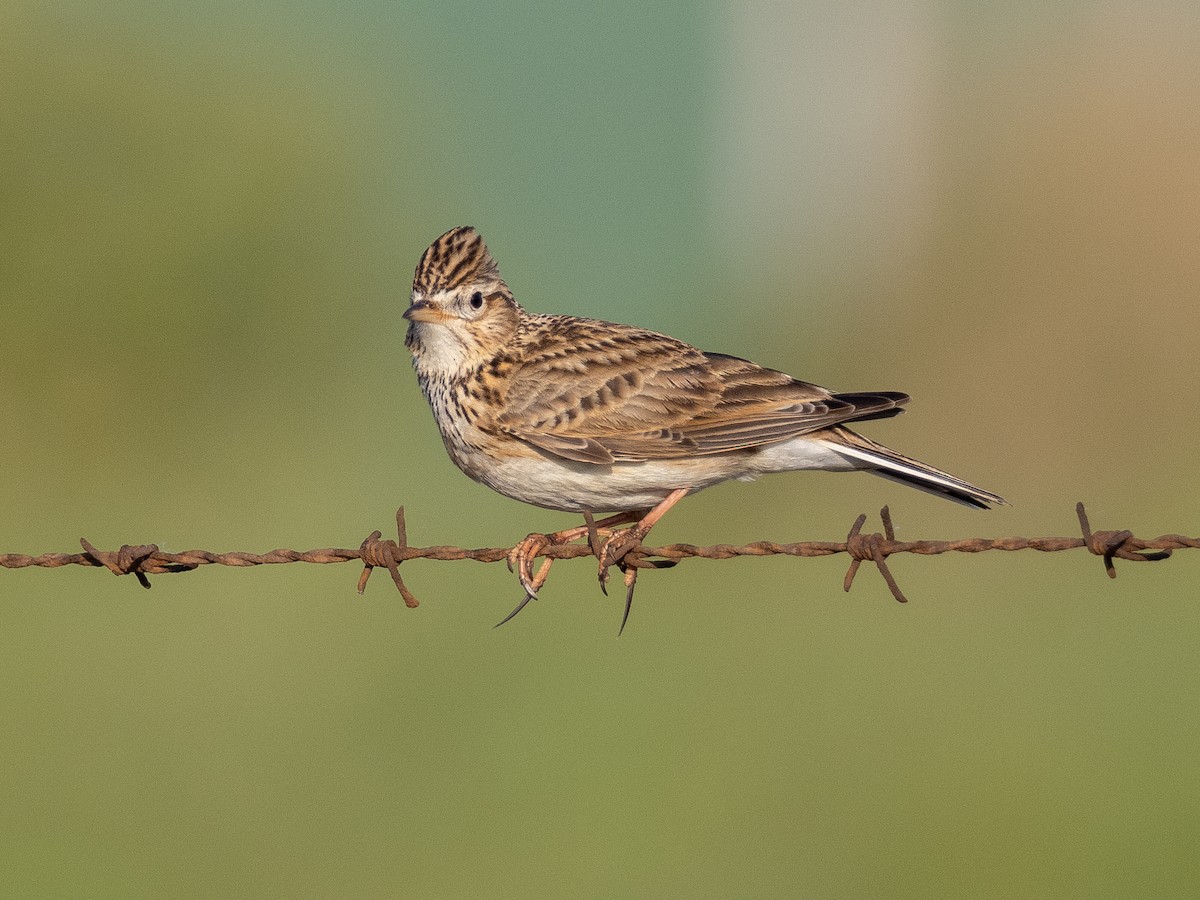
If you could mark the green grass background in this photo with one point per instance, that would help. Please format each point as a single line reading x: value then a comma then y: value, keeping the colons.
x: 209, y: 216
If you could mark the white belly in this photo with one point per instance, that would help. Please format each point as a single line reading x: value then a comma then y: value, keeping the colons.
x: 555, y: 483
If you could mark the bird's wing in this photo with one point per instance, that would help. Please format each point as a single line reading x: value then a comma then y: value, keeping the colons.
x: 595, y: 392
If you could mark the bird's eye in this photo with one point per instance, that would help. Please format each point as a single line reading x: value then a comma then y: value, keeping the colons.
x: 477, y: 300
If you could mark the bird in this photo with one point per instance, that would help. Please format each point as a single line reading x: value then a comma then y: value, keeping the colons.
x: 586, y: 416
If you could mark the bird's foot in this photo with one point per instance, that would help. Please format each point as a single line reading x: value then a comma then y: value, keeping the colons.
x: 521, y: 557
x: 520, y: 560
x: 615, y: 548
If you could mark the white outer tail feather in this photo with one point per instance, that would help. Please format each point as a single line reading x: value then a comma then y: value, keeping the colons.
x: 889, y: 464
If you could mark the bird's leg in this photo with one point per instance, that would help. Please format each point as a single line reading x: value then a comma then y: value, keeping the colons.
x: 619, y: 543
x: 520, y: 558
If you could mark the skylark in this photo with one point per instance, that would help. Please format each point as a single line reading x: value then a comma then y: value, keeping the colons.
x: 585, y: 416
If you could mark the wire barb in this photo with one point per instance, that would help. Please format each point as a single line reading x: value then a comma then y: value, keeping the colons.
x: 1107, y: 544
x: 374, y: 552
x: 872, y: 548
x: 126, y: 561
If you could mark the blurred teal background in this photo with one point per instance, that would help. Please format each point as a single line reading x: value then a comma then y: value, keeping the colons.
x: 209, y: 216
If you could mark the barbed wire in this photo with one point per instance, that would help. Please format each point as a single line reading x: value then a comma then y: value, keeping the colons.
x: 147, y: 559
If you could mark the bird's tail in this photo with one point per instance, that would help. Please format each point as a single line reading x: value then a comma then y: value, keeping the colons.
x: 887, y: 463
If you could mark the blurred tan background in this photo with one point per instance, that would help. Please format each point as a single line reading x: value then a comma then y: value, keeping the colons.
x: 209, y: 216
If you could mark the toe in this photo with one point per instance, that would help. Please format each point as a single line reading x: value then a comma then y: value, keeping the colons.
x: 607, y: 556
x: 521, y: 558
x: 527, y: 579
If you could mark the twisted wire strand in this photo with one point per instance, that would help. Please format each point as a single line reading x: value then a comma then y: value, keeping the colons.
x: 148, y: 559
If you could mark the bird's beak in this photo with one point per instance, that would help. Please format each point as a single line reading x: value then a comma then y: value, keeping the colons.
x: 421, y: 311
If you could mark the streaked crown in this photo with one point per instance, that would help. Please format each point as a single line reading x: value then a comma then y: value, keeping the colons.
x: 458, y: 257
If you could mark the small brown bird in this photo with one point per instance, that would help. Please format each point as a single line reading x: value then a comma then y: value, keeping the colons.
x: 585, y: 416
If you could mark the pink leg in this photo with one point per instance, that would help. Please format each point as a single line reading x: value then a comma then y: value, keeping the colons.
x: 621, y: 542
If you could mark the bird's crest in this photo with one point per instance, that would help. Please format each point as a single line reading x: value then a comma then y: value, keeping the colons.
x: 458, y: 257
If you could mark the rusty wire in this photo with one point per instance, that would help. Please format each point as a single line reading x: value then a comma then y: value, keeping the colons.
x: 143, y: 560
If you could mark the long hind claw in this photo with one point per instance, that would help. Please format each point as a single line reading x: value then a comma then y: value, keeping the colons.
x: 530, y: 591
x: 520, y: 606
x: 630, y: 582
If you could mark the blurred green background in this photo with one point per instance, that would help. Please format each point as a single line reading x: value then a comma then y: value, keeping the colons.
x: 209, y: 216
